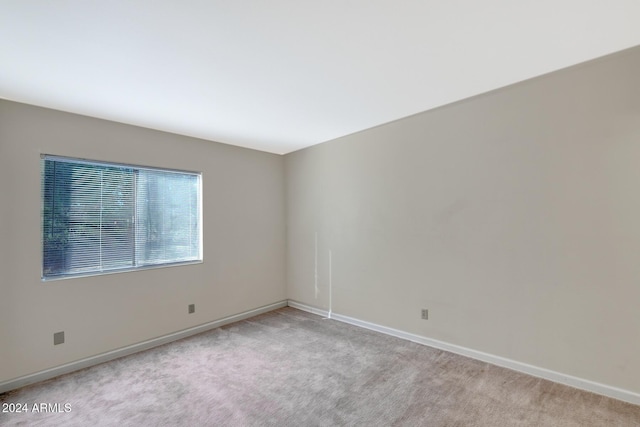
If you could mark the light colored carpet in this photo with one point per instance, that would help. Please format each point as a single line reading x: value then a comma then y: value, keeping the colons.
x: 292, y: 368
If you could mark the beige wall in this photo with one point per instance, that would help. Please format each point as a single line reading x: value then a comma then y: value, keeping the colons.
x: 244, y: 242
x: 514, y: 217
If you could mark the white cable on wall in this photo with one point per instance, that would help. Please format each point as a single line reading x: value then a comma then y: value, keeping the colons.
x: 315, y: 279
x: 330, y: 285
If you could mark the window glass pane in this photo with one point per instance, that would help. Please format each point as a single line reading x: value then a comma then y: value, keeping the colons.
x: 167, y: 217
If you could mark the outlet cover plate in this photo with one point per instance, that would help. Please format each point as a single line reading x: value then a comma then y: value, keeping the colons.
x: 58, y: 338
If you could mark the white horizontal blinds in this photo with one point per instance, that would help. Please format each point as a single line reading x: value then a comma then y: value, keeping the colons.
x: 55, y: 218
x: 167, y: 217
x: 100, y: 217
x: 116, y: 223
x: 87, y: 217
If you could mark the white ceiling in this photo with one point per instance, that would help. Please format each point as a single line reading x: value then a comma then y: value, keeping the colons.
x: 281, y: 75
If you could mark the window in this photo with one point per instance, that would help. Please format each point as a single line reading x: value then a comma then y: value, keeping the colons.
x: 100, y: 217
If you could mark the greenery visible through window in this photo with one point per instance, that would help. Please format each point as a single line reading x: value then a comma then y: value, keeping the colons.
x: 100, y: 217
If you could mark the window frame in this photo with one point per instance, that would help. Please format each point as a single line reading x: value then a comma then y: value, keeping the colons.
x: 74, y: 160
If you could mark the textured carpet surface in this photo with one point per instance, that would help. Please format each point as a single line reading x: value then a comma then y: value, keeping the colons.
x: 292, y: 368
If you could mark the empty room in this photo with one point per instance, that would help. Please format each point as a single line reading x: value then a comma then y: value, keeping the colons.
x: 409, y: 213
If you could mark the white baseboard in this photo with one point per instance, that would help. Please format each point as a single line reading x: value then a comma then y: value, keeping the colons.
x: 587, y: 385
x: 135, y: 348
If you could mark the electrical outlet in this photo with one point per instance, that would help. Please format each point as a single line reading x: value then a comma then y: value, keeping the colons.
x: 425, y: 314
x: 58, y: 338
x: 192, y: 308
